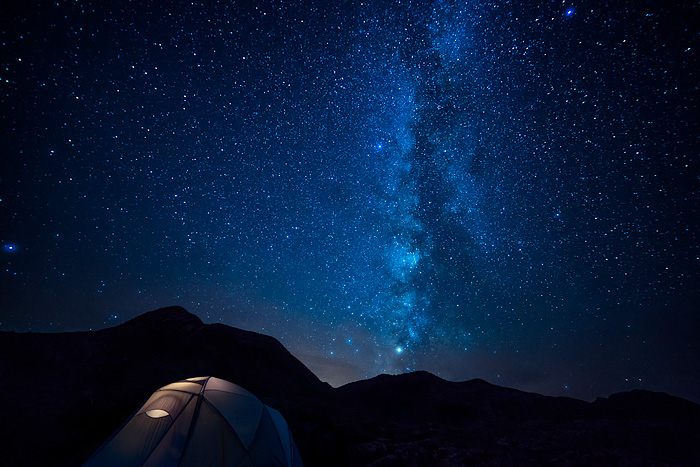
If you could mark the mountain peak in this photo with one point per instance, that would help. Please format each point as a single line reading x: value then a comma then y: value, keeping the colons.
x: 168, y: 316
x: 415, y: 418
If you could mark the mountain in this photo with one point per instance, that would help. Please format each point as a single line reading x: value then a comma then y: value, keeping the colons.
x: 64, y: 394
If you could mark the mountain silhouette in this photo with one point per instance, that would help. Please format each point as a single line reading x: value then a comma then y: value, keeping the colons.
x: 64, y: 394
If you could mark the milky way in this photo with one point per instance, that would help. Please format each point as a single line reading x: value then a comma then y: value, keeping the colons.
x: 478, y: 189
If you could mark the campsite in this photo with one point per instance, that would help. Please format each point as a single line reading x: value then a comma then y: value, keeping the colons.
x: 349, y: 233
x: 68, y: 393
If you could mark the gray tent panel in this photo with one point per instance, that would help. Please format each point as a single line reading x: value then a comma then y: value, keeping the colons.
x: 200, y: 379
x: 134, y: 443
x: 138, y: 438
x: 267, y: 445
x: 169, y: 450
x: 212, y: 441
x: 282, y: 430
x: 184, y: 386
x: 171, y: 402
x: 290, y: 447
x: 198, y: 422
x: 240, y: 411
x: 216, y: 384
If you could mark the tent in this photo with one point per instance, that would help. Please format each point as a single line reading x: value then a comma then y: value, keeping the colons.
x: 202, y: 421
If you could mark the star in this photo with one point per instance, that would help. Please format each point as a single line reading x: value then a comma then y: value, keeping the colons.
x: 398, y: 176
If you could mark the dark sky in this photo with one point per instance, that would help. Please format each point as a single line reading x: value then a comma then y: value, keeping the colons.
x: 478, y: 189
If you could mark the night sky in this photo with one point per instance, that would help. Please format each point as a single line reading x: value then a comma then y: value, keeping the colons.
x: 501, y: 190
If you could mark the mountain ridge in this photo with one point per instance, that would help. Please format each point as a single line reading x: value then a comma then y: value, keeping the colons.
x: 73, y: 389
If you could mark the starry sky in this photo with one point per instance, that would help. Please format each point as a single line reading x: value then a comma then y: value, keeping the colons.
x: 484, y: 189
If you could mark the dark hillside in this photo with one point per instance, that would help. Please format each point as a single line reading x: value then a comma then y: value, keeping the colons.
x: 64, y: 394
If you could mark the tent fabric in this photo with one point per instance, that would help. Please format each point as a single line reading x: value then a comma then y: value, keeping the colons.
x: 202, y: 421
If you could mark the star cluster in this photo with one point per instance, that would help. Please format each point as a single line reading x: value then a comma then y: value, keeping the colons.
x: 478, y: 189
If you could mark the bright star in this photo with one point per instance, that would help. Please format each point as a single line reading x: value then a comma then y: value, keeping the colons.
x: 569, y: 12
x: 399, y: 349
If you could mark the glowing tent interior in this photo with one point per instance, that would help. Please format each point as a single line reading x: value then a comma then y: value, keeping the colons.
x: 197, y: 422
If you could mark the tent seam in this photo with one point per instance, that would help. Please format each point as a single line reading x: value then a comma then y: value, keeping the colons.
x: 235, y: 433
x: 170, y: 428
x: 194, y: 422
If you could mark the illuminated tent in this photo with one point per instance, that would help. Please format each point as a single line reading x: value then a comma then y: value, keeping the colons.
x: 201, y: 422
